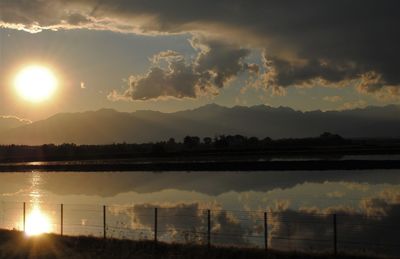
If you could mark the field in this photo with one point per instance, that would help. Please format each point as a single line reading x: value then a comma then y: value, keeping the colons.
x: 14, y: 244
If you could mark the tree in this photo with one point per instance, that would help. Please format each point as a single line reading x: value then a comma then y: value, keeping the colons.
x: 158, y: 148
x: 191, y: 142
x: 220, y: 142
x: 207, y: 141
x: 330, y: 136
x: 253, y: 141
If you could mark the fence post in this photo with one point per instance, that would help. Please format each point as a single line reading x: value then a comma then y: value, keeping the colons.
x: 266, y: 231
x: 104, y: 223
x: 155, y: 224
x: 208, y: 228
x: 24, y: 216
x: 62, y: 220
x: 334, y: 234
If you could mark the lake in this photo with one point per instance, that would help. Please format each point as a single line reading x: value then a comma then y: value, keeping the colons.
x: 301, y: 206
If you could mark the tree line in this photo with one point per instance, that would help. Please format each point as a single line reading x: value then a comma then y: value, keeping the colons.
x: 171, y: 147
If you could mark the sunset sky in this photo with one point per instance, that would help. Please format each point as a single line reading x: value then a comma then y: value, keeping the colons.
x: 181, y: 54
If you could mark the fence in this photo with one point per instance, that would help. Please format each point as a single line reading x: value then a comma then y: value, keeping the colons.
x: 279, y: 230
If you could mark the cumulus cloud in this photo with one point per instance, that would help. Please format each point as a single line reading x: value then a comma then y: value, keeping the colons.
x: 308, y: 42
x: 216, y: 64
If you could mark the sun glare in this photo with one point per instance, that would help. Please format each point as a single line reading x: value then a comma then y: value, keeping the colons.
x: 35, y: 83
x: 37, y: 223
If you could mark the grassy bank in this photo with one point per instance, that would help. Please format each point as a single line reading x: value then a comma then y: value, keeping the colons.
x: 15, y: 244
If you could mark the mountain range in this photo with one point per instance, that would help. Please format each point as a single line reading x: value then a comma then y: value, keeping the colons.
x: 107, y: 126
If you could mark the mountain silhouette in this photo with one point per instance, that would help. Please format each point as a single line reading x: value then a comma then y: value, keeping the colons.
x: 107, y: 126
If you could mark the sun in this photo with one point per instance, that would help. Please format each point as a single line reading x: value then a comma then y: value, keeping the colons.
x: 35, y: 83
x: 37, y: 223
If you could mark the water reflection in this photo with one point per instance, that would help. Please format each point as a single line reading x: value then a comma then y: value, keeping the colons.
x: 300, y: 206
x: 36, y: 221
x: 35, y: 194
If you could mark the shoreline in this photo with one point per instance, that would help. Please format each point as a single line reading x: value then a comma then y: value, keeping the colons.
x: 309, y: 165
x: 16, y: 245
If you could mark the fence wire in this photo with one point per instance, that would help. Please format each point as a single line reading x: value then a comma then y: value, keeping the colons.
x: 279, y: 230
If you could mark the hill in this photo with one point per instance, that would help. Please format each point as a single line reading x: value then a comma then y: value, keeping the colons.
x: 109, y: 126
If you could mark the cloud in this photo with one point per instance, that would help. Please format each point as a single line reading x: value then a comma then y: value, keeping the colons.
x: 305, y: 229
x: 220, y: 60
x: 334, y: 42
x: 373, y: 84
x: 312, y: 228
x: 352, y: 105
x: 186, y: 222
x: 332, y: 99
x: 12, y: 117
x: 9, y: 122
x: 216, y: 64
x: 305, y: 73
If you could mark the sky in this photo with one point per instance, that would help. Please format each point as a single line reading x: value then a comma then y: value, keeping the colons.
x: 182, y: 54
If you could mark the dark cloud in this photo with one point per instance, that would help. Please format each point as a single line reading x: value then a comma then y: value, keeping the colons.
x: 284, y: 73
x: 223, y: 60
x: 76, y: 19
x: 335, y: 41
x: 29, y: 15
x: 216, y: 64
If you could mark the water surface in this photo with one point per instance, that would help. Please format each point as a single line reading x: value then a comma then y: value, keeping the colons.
x: 299, y: 205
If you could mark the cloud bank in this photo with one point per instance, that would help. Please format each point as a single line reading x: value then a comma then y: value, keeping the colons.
x: 307, y: 42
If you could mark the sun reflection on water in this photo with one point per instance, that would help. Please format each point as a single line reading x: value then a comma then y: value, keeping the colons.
x: 37, y: 222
